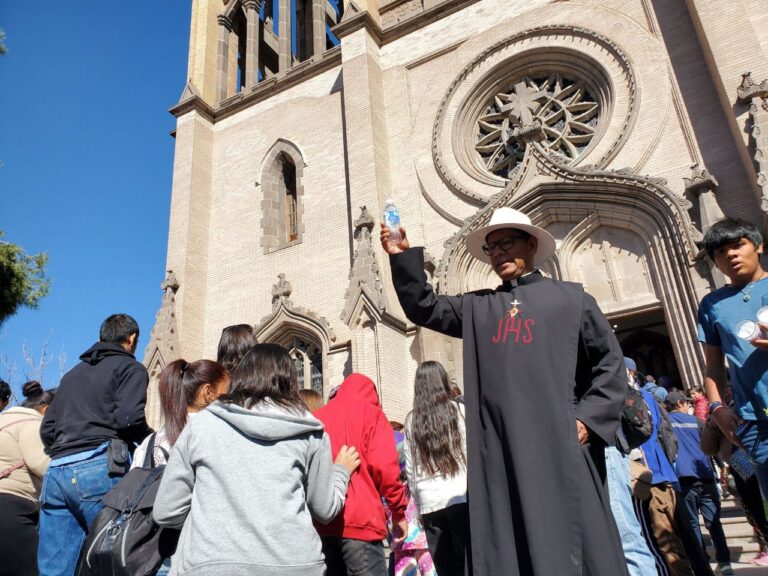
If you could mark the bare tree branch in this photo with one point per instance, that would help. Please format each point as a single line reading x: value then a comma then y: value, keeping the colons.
x: 35, y: 367
x: 62, y: 362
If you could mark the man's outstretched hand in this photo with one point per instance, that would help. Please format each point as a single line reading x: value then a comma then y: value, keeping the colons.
x: 389, y: 245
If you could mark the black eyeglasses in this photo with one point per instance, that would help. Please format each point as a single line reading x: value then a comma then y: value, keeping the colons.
x: 504, y: 244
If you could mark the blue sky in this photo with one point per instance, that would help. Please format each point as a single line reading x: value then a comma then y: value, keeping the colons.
x: 87, y: 162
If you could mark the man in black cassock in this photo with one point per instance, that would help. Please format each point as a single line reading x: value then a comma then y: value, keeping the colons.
x: 544, y: 382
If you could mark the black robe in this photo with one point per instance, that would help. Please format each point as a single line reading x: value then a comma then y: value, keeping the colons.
x: 537, y: 498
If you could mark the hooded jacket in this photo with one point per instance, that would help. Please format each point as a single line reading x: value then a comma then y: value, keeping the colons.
x: 101, y: 398
x: 354, y: 418
x: 245, y: 484
x: 20, y: 444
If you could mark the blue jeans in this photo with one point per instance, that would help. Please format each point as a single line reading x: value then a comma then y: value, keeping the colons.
x: 640, y: 562
x: 346, y: 556
x: 701, y: 495
x: 69, y: 502
x: 754, y: 437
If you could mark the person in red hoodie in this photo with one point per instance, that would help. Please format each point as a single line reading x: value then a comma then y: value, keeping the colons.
x: 352, y: 542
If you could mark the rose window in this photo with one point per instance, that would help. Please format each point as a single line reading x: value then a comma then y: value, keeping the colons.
x: 559, y: 112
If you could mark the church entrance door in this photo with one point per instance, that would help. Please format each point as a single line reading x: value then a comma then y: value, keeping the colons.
x: 644, y: 337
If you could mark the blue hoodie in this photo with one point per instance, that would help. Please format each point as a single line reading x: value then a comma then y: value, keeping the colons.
x: 654, y: 453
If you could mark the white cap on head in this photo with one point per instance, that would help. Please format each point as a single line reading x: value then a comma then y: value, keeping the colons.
x: 514, y: 219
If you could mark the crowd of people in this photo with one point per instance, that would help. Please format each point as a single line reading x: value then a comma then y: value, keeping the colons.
x: 558, y: 457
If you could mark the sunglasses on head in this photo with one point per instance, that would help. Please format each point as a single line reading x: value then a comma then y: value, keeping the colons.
x: 503, y: 244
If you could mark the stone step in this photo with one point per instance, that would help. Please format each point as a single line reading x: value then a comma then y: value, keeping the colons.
x: 738, y: 532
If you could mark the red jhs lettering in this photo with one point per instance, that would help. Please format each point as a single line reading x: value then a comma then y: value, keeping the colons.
x: 514, y: 325
x: 528, y: 336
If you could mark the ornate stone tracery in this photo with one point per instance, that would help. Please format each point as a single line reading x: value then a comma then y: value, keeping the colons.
x: 756, y: 95
x: 365, y: 289
x: 586, y: 58
x: 556, y: 110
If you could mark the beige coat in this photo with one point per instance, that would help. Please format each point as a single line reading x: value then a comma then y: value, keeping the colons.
x: 20, y: 442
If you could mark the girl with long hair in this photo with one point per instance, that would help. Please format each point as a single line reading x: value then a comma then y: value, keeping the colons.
x: 436, y: 465
x: 246, y: 477
x: 185, y: 389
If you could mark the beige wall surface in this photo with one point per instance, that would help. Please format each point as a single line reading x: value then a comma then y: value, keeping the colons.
x: 366, y: 130
x: 241, y: 275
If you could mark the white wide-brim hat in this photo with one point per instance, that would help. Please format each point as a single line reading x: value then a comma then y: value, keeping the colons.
x: 514, y: 219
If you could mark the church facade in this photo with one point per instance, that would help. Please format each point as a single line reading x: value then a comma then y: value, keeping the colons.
x: 624, y: 127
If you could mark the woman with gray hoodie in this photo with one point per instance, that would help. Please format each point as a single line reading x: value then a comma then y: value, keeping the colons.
x: 247, y: 475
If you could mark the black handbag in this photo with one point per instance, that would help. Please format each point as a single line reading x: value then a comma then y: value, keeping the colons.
x: 124, y: 540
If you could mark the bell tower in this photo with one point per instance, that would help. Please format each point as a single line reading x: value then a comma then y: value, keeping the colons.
x: 235, y: 44
x: 204, y: 35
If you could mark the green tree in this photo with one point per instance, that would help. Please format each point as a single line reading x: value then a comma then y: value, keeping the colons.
x: 22, y: 279
x: 3, y: 49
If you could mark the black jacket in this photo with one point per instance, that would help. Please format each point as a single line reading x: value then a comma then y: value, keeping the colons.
x: 101, y: 398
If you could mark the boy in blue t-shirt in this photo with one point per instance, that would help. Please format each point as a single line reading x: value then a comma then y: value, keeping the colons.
x: 725, y: 319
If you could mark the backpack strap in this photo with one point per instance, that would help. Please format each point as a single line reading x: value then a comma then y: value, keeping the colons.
x: 141, y: 490
x: 164, y: 451
x: 149, y: 458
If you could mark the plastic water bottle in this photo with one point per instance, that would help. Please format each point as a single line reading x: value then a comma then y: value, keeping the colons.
x: 392, y: 220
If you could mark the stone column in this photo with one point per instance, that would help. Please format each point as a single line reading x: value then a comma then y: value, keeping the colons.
x: 285, y: 17
x: 729, y: 38
x: 756, y: 95
x: 702, y: 185
x: 225, y: 27
x: 318, y: 28
x: 252, y: 43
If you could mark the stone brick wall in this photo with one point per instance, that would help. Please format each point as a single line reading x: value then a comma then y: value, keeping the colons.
x: 363, y: 132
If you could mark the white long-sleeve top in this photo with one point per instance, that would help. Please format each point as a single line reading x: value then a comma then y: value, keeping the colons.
x: 435, y: 492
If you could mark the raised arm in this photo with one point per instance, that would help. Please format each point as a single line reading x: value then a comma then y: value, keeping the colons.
x: 602, y: 384
x: 419, y: 301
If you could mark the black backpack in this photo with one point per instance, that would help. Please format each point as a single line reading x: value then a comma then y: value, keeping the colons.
x: 124, y: 539
x: 636, y: 426
x: 666, y: 435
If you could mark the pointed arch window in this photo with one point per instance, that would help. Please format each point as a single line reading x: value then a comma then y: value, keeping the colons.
x: 282, y: 186
x: 308, y: 360
x: 290, y: 199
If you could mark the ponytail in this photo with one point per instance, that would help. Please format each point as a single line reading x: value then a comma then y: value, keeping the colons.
x: 178, y: 387
x: 172, y: 400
